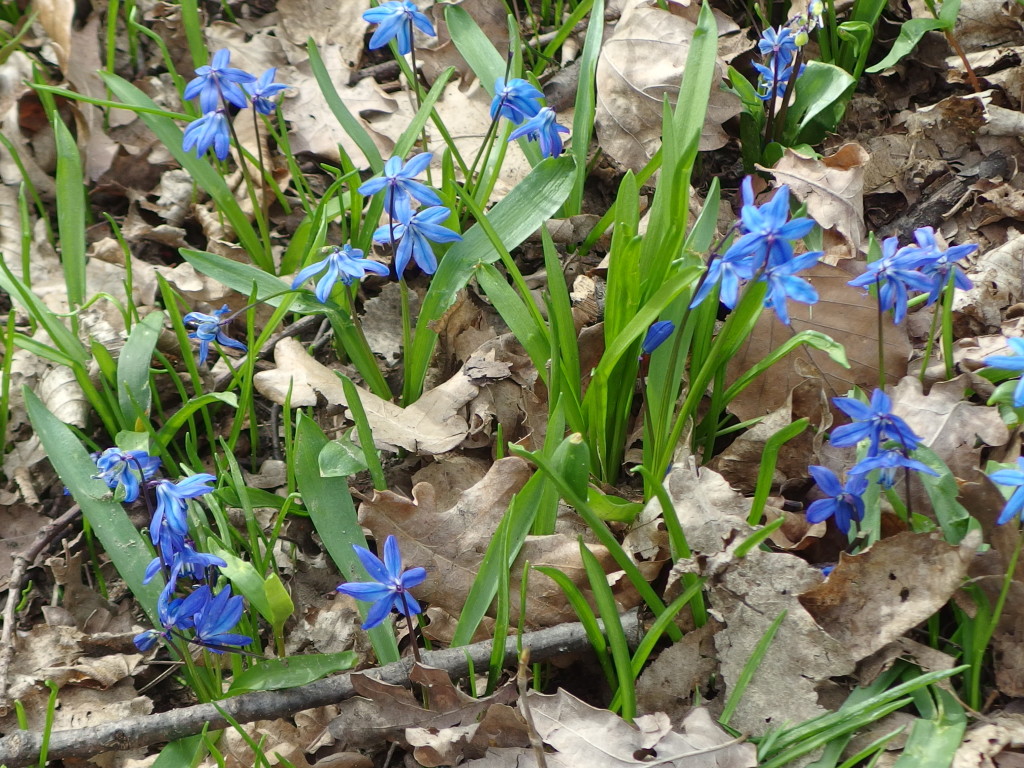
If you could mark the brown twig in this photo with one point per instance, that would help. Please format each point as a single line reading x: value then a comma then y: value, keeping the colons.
x: 22, y: 748
x: 22, y: 562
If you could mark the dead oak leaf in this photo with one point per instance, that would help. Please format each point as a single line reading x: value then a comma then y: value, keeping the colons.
x: 451, y: 543
x: 584, y: 735
x: 872, y: 598
x: 433, y: 424
x: 383, y: 712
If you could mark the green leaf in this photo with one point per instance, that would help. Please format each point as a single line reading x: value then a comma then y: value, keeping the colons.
x: 820, y: 87
x: 126, y: 548
x: 281, y: 604
x: 70, y: 213
x: 341, y: 458
x: 330, y: 507
x: 612, y: 508
x: 277, y: 674
x: 245, y: 579
x: 181, y: 416
x: 521, y: 213
x: 910, y: 35
x: 133, y: 391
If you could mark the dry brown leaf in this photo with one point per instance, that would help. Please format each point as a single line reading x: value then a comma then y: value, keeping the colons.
x: 451, y: 542
x: 681, y: 671
x: 876, y: 596
x: 383, y: 712
x: 988, y: 740
x: 997, y: 282
x: 433, y: 424
x: 641, y: 64
x: 846, y: 314
x: 953, y: 428
x: 832, y: 188
x: 582, y: 735
x: 56, y: 17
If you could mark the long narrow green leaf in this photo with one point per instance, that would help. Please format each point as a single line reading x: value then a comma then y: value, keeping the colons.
x: 133, y: 368
x: 330, y: 507
x: 524, y: 210
x: 126, y: 548
x: 70, y: 213
x: 586, y: 100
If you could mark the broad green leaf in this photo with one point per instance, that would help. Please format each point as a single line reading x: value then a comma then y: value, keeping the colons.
x: 341, y: 458
x: 126, y: 548
x: 910, y: 35
x: 133, y: 391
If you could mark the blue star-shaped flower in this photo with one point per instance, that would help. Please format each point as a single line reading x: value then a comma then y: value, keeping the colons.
x: 874, y: 422
x: 210, y: 130
x: 210, y: 328
x: 726, y: 271
x: 171, y: 505
x: 390, y: 586
x: 1014, y: 478
x: 214, y: 616
x: 769, y: 233
x: 399, y: 182
x: 396, y: 19
x: 414, y: 232
x: 895, y: 273
x: 543, y: 128
x: 777, y: 42
x: 516, y: 100
x: 345, y: 263
x: 939, y: 264
x: 1014, y: 362
x: 121, y: 471
x: 784, y: 284
x: 263, y: 90
x: 844, y: 502
x: 216, y: 81
x: 889, y: 462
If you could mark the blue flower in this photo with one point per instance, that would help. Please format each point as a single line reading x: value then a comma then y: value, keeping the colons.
x: 186, y: 561
x: 121, y: 470
x: 726, y: 270
x: 894, y: 273
x: 1014, y: 362
x: 543, y: 128
x: 399, y: 183
x: 874, y: 422
x: 844, y: 502
x: 939, y: 264
x: 1014, y: 478
x: 784, y: 284
x: 210, y: 130
x: 414, y: 233
x: 216, y: 81
x: 778, y: 42
x: 214, y: 617
x: 657, y: 335
x: 344, y: 262
x: 774, y: 79
x: 888, y: 462
x: 210, y: 328
x: 516, y: 100
x: 396, y: 19
x: 263, y: 90
x: 171, y: 505
x: 768, y: 232
x: 390, y: 586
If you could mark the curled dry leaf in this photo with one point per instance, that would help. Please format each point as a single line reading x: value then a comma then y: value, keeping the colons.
x: 433, y: 424
x: 383, y: 712
x: 872, y: 598
x: 832, y: 188
x: 844, y: 313
x: 641, y: 64
x: 955, y: 429
x: 997, y: 283
x: 988, y: 740
x: 582, y: 735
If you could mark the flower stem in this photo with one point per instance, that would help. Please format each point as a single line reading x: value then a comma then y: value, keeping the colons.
x: 881, y: 342
x: 414, y: 628
x: 406, y: 335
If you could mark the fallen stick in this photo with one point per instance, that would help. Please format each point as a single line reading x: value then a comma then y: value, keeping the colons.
x: 22, y: 747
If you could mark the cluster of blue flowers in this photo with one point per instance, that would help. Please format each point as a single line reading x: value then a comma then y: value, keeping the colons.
x: 210, y: 616
x: 764, y: 253
x: 396, y: 19
x: 779, y: 48
x: 922, y: 266
x: 890, y: 444
x: 518, y: 101
x: 218, y: 85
